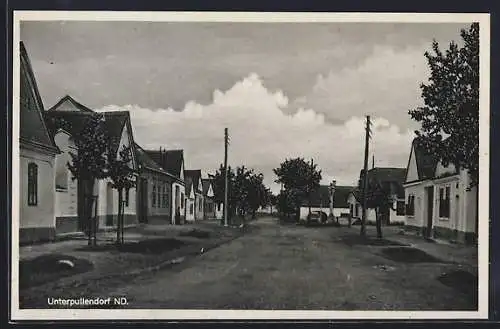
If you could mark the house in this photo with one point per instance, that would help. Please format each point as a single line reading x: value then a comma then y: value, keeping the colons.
x: 65, y: 119
x: 439, y: 200
x: 208, y: 195
x: 154, y: 190
x: 393, y: 179
x: 37, y: 152
x: 172, y: 161
x: 196, y: 198
x: 321, y: 198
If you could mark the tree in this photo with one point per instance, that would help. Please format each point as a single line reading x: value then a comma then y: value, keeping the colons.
x: 380, y: 198
x: 450, y: 117
x: 299, y: 179
x: 88, y: 164
x: 121, y: 173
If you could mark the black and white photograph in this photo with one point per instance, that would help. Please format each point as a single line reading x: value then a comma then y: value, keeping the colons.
x: 250, y: 165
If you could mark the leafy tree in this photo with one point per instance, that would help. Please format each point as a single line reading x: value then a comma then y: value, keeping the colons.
x: 450, y: 117
x: 299, y: 179
x: 122, y: 177
x: 89, y: 163
x: 380, y: 198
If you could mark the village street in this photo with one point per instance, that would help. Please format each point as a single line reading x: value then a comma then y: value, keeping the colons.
x: 284, y: 266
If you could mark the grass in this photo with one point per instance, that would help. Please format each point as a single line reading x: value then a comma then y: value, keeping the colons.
x: 462, y: 281
x: 409, y: 255
x: 150, y: 246
x: 43, y: 269
x: 200, y: 234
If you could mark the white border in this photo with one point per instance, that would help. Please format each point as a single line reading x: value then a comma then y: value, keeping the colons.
x: 132, y: 314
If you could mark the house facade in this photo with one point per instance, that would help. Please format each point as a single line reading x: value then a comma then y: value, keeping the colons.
x: 66, y: 119
x: 208, y: 195
x: 321, y: 199
x: 172, y: 162
x: 439, y: 200
x: 37, y: 152
x: 393, y: 179
x: 196, y: 198
x: 154, y: 191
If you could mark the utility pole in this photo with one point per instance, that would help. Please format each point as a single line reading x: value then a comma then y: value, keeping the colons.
x: 365, y: 175
x: 226, y: 142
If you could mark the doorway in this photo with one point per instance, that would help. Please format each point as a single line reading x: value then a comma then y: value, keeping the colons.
x: 429, y: 192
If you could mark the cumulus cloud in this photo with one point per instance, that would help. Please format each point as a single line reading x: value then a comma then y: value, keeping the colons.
x: 386, y: 83
x: 263, y: 133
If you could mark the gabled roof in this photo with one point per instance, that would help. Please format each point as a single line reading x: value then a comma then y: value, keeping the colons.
x: 170, y: 160
x: 426, y: 161
x: 321, y: 197
x: 33, y: 128
x: 395, y: 177
x: 72, y: 122
x: 206, y: 185
x: 145, y: 161
x: 189, y: 184
x: 67, y: 98
x: 195, y: 176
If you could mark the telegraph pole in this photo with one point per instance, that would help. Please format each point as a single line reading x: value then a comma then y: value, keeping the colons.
x: 365, y: 175
x: 226, y: 142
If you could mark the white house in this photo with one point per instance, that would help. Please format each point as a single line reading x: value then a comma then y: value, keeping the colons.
x: 320, y: 201
x: 208, y: 195
x: 439, y: 202
x: 65, y: 119
x: 37, y: 152
x: 393, y: 178
x: 190, y: 199
x: 195, y: 197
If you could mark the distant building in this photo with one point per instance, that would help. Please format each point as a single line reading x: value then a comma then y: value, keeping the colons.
x: 195, y: 199
x: 391, y: 177
x: 439, y: 203
x: 37, y: 161
x: 208, y: 194
x: 320, y: 201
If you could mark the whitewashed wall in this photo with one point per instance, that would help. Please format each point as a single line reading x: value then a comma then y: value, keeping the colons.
x: 43, y: 214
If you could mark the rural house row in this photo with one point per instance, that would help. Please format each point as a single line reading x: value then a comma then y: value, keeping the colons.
x: 52, y: 201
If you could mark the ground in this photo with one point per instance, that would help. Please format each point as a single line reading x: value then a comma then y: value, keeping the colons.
x: 284, y: 266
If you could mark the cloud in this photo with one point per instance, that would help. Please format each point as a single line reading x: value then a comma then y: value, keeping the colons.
x: 386, y: 83
x: 262, y: 134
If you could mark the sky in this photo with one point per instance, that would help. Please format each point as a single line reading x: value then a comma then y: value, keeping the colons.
x: 283, y: 90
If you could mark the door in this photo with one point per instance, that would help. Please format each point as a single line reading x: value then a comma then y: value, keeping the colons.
x: 143, y: 200
x: 430, y: 208
x: 109, y: 205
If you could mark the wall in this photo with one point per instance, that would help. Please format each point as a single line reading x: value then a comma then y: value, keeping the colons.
x: 417, y: 189
x: 182, y: 205
x: 37, y: 222
x: 219, y: 211
x: 190, y: 216
x: 199, y: 207
x: 209, y: 202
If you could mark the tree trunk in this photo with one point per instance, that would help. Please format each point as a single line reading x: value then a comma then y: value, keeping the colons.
x: 118, y: 219
x: 378, y: 222
x: 88, y: 188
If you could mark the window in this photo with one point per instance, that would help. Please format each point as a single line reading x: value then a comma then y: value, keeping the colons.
x: 356, y: 211
x: 32, y: 184
x: 400, y: 208
x: 164, y: 195
x: 191, y: 208
x: 154, y: 195
x: 158, y: 191
x: 127, y: 195
x: 199, y: 205
x: 182, y: 200
x: 410, y: 206
x: 444, y: 202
